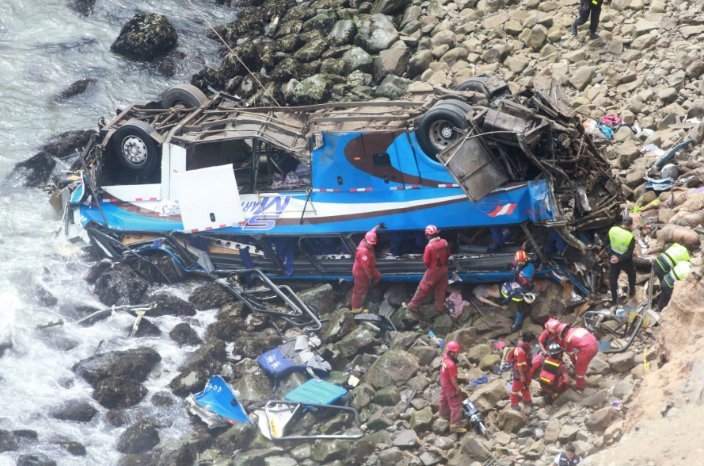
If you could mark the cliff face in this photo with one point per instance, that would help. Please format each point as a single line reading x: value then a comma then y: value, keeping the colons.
x: 667, y: 414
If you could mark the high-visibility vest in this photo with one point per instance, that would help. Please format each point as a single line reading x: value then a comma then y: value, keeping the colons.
x: 673, y: 256
x: 620, y: 239
x: 679, y: 272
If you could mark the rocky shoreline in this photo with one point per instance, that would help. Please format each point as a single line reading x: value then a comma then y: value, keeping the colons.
x: 647, y: 68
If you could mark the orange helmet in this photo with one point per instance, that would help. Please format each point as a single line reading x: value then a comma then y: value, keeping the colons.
x: 431, y: 230
x: 453, y: 346
x: 552, y: 325
x: 520, y: 257
x: 370, y: 236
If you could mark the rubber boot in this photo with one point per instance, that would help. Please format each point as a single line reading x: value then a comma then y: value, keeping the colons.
x: 517, y: 322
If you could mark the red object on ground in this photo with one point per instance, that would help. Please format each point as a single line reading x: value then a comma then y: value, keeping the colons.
x: 450, y: 397
x: 582, y: 346
x: 364, y: 272
x: 435, y: 257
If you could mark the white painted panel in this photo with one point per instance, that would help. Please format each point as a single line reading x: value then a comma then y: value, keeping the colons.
x: 173, y: 160
x: 208, y: 198
x: 131, y: 193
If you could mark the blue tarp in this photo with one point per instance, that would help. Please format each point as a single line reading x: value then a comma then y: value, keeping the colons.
x: 217, y: 396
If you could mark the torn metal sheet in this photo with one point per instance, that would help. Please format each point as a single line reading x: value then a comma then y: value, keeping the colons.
x: 279, y: 416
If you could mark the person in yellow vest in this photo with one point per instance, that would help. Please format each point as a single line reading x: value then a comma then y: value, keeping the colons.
x: 621, y: 245
x: 678, y: 272
x: 669, y: 258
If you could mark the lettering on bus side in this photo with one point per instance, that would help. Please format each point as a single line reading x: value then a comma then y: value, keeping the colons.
x: 262, y: 216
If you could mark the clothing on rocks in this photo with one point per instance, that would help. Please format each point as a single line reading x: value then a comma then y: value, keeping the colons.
x: 435, y: 277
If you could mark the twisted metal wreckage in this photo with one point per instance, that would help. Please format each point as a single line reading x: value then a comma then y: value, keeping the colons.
x: 276, y: 193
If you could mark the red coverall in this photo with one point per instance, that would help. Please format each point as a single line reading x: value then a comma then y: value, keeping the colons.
x: 364, y: 272
x: 582, y: 347
x: 544, y: 339
x: 450, y: 398
x: 520, y: 359
x: 437, y: 251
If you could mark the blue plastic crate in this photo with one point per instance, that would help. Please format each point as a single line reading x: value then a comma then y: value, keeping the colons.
x: 316, y: 391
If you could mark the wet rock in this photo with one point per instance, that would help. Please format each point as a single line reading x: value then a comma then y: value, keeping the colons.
x: 342, y: 32
x: 67, y: 143
x: 120, y: 285
x: 181, y: 454
x: 71, y: 446
x: 138, y: 438
x: 119, y: 392
x: 390, y: 7
x: 34, y: 171
x: 167, y: 304
x: 138, y: 459
x: 83, y: 7
x: 8, y: 442
x: 35, y: 459
x: 76, y: 88
x: 210, y: 296
x: 394, y: 456
x: 376, y: 33
x: 252, y: 384
x: 392, y: 87
x: 146, y: 328
x: 330, y: 450
x: 387, y: 396
x: 393, y: 367
x: 207, y: 360
x: 511, y: 420
x: 236, y: 438
x: 311, y: 51
x: 136, y: 364
x: 184, y: 335
x: 145, y: 37
x: 77, y: 411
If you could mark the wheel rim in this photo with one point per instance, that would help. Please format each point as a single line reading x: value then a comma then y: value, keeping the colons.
x: 442, y: 133
x: 134, y: 150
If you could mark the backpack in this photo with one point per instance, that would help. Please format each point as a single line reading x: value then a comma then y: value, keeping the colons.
x: 550, y: 374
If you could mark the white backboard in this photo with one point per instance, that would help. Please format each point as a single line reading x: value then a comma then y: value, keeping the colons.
x: 208, y: 198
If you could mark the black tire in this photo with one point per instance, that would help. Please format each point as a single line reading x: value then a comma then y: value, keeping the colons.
x: 134, y: 149
x: 185, y: 95
x: 461, y: 105
x: 437, y: 128
x: 476, y: 85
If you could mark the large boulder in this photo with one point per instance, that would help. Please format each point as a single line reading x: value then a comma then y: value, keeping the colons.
x: 376, y: 33
x: 8, y: 442
x: 184, y: 335
x: 210, y: 296
x: 321, y: 297
x: 35, y: 459
x: 138, y: 438
x: 487, y: 395
x: 313, y: 90
x: 511, y: 421
x: 342, y: 32
x: 120, y: 285
x: 360, y: 339
x: 135, y: 363
x: 167, y: 304
x: 119, y: 392
x: 553, y: 299
x: 356, y: 58
x: 145, y: 37
x: 394, y: 367
x: 82, y: 7
x: 392, y: 87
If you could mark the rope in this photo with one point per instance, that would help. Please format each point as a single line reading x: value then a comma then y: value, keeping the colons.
x: 224, y: 42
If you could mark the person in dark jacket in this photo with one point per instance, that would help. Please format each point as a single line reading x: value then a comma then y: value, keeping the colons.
x: 621, y: 245
x: 588, y: 9
x: 569, y: 457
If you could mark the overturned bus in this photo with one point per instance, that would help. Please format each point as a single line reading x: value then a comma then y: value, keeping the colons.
x: 291, y: 190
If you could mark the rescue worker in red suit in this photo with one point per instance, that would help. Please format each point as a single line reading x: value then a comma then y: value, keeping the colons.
x: 520, y: 359
x: 364, y: 269
x: 549, y: 335
x: 435, y: 257
x: 450, y: 391
x: 581, y: 346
